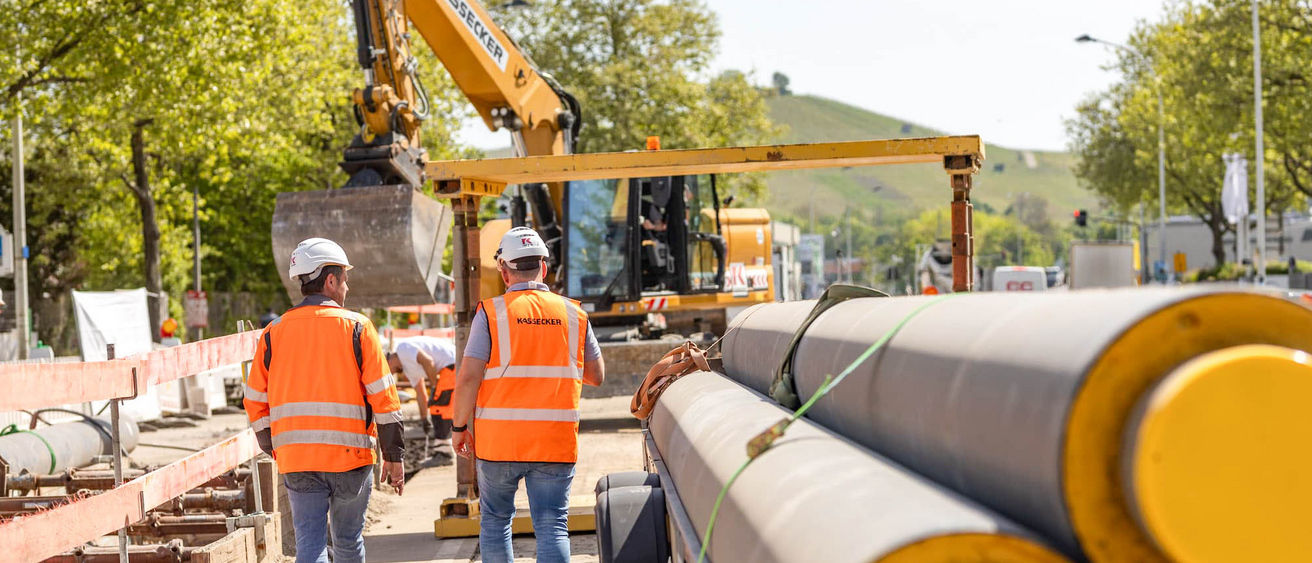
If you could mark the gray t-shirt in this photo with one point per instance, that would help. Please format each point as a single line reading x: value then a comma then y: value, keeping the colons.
x: 480, y: 336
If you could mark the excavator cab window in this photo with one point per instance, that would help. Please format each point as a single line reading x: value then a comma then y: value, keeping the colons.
x: 705, y: 246
x: 599, y: 240
x: 643, y: 236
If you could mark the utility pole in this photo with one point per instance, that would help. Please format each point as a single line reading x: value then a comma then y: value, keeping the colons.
x: 195, y: 248
x: 1259, y: 155
x: 195, y: 233
x: 1161, y: 137
x: 812, y: 211
x: 20, y: 237
x: 1020, y: 249
x: 847, y: 211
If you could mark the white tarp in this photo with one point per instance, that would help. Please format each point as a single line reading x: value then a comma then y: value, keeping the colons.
x: 1234, y: 200
x: 120, y: 318
x: 1234, y: 190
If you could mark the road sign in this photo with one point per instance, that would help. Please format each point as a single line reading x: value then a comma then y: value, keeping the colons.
x: 197, y: 307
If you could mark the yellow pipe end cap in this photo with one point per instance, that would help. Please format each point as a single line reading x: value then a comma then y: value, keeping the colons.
x: 1220, y: 464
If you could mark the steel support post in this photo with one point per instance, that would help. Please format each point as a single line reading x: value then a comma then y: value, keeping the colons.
x: 116, y: 443
x: 466, y: 270
x: 960, y: 170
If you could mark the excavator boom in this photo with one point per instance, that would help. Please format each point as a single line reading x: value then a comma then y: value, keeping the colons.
x: 394, y: 233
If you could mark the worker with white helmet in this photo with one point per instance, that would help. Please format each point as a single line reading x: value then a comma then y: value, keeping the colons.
x: 429, y: 363
x: 529, y: 353
x: 318, y: 383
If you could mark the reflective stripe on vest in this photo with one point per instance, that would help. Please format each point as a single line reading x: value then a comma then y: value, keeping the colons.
x: 259, y: 424
x: 528, y: 401
x: 337, y: 410
x: 387, y: 417
x: 316, y: 437
x: 379, y: 386
x: 256, y: 395
x: 543, y: 415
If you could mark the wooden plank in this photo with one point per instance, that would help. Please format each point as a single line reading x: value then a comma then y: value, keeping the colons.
x: 162, y: 366
x: 33, y: 386
x: 237, y: 547
x: 579, y: 518
x: 566, y: 167
x: 42, y: 535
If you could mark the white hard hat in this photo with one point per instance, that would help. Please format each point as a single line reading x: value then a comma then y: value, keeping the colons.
x: 315, y: 253
x: 520, y: 242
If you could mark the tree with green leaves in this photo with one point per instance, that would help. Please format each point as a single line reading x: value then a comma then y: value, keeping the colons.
x: 236, y: 100
x: 1199, y: 59
x: 640, y: 68
x: 780, y: 81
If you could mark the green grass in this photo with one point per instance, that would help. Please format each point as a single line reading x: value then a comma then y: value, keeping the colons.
x: 907, y: 188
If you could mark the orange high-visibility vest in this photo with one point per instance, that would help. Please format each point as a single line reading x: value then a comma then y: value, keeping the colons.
x: 528, y: 403
x: 318, y: 381
x: 439, y: 400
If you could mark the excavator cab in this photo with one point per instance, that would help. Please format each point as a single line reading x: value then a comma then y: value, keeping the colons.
x: 643, y: 237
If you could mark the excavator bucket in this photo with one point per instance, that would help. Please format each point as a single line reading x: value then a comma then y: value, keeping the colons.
x: 393, y: 235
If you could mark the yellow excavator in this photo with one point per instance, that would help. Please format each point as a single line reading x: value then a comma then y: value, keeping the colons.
x: 644, y: 255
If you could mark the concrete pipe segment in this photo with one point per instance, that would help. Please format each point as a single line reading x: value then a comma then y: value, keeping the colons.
x: 1132, y: 425
x: 52, y: 449
x: 813, y: 496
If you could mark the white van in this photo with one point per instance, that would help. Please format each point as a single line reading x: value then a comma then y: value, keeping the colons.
x: 1020, y: 278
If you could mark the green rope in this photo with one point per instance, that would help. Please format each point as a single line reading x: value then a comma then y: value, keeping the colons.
x: 762, y: 442
x: 13, y: 429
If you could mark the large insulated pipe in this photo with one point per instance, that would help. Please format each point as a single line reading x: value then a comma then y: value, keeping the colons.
x: 1131, y: 425
x: 813, y: 496
x: 52, y: 449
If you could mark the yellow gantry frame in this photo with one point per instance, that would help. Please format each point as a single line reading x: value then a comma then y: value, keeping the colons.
x: 466, y: 182
x: 960, y: 156
x: 447, y: 175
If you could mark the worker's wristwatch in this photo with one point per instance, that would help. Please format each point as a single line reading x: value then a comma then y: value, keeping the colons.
x: 464, y: 428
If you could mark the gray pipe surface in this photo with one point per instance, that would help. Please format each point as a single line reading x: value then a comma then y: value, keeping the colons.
x: 976, y: 392
x: 52, y: 449
x: 812, y: 496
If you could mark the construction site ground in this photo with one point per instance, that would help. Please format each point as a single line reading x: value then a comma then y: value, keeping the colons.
x: 400, y: 528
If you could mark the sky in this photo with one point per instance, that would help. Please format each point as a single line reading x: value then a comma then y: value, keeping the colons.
x: 1007, y: 70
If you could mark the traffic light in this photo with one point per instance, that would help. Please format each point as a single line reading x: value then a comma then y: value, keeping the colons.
x: 1081, y: 218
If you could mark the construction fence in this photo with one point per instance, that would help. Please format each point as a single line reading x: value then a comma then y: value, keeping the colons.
x: 70, y: 526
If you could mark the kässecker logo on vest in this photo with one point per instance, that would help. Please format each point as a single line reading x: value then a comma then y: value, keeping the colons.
x: 524, y: 321
x: 482, y: 34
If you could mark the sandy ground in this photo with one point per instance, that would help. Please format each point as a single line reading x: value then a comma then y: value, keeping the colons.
x: 400, y: 528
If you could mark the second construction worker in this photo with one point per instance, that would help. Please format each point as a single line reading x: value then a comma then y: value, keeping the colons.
x: 429, y: 363
x: 317, y: 385
x: 529, y: 353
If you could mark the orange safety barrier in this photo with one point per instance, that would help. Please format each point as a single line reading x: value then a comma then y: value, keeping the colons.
x: 49, y: 533
x: 434, y: 309
x: 407, y: 333
x: 23, y: 386
x: 28, y: 386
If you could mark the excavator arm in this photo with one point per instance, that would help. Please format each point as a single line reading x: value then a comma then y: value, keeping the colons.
x: 388, y: 225
x: 392, y: 104
x: 499, y: 80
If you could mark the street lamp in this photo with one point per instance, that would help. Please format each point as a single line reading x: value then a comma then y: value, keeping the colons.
x: 1161, y: 140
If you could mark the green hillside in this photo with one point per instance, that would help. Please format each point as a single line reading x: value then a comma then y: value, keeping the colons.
x: 903, y: 188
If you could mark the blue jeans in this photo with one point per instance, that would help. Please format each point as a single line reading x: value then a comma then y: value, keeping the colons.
x: 548, y: 504
x: 318, y: 497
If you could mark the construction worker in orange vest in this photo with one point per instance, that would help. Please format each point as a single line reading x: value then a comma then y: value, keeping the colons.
x: 317, y: 386
x: 529, y: 353
x: 429, y: 363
